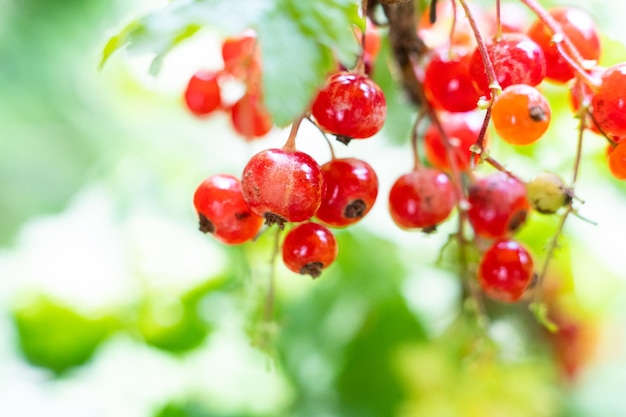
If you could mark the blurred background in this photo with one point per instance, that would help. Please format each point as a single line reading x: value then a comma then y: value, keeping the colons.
x: 113, y: 304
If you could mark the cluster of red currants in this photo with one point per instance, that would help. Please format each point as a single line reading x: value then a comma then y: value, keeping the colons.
x: 463, y: 76
x: 203, y: 95
x: 282, y: 186
x: 462, y: 79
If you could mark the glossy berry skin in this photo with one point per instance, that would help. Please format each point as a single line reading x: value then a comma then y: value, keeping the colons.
x: 516, y: 59
x: 521, y: 114
x: 202, y: 94
x: 579, y: 27
x: 223, y: 212
x: 447, y: 82
x: 616, y: 160
x: 350, y: 105
x: 462, y: 130
x: 608, y: 103
x: 505, y: 270
x: 351, y: 190
x: 282, y: 186
x: 309, y: 248
x: 498, y: 205
x: 421, y: 199
x: 249, y: 117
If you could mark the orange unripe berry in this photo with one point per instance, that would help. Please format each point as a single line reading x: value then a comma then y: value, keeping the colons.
x: 521, y: 114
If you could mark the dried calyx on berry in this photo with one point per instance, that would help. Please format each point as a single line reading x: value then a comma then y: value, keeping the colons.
x: 547, y: 193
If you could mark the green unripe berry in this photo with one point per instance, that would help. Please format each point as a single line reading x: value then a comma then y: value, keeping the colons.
x: 547, y: 193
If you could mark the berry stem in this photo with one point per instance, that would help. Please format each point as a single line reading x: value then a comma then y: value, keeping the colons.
x: 452, y: 28
x: 417, y: 164
x: 482, y: 49
x: 497, y: 165
x: 580, y: 71
x: 330, y: 145
x: 268, y: 310
x: 498, y: 34
x: 570, y: 51
x: 290, y: 144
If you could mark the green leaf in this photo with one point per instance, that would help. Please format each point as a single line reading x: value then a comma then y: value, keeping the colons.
x: 294, y: 65
x: 330, y: 22
x: 53, y: 336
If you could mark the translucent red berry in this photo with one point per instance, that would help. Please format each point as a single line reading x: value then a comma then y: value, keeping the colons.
x: 202, y: 94
x: 462, y: 130
x: 350, y: 105
x: 608, y: 103
x: 238, y: 53
x: 250, y: 118
x: 516, y: 59
x: 223, y: 212
x: 309, y: 248
x: 579, y: 27
x: 421, y: 199
x: 521, y: 114
x: 498, y: 205
x: 282, y: 185
x: 505, y: 271
x: 351, y: 190
x: 616, y: 160
x: 447, y: 81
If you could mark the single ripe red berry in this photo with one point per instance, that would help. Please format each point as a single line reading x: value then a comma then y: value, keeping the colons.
x: 462, y: 130
x: 608, y: 103
x: 579, y: 27
x: 521, y: 114
x: 202, y: 94
x: 421, y: 199
x: 516, y: 59
x: 505, y: 271
x: 498, y: 205
x: 250, y: 118
x: 238, y: 53
x: 447, y: 81
x: 351, y: 190
x: 350, y: 105
x: 282, y: 186
x: 223, y: 212
x: 616, y: 160
x: 309, y: 248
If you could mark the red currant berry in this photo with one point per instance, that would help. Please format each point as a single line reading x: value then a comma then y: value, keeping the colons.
x: 421, y: 199
x: 498, y: 205
x: 202, y: 95
x: 350, y: 105
x: 282, y: 186
x: 309, y: 248
x: 250, y: 118
x: 616, y: 160
x: 579, y: 27
x: 521, y: 114
x: 608, y: 104
x: 447, y: 83
x: 462, y: 130
x: 516, y: 59
x: 351, y: 190
x: 238, y: 53
x: 223, y: 212
x: 505, y: 271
